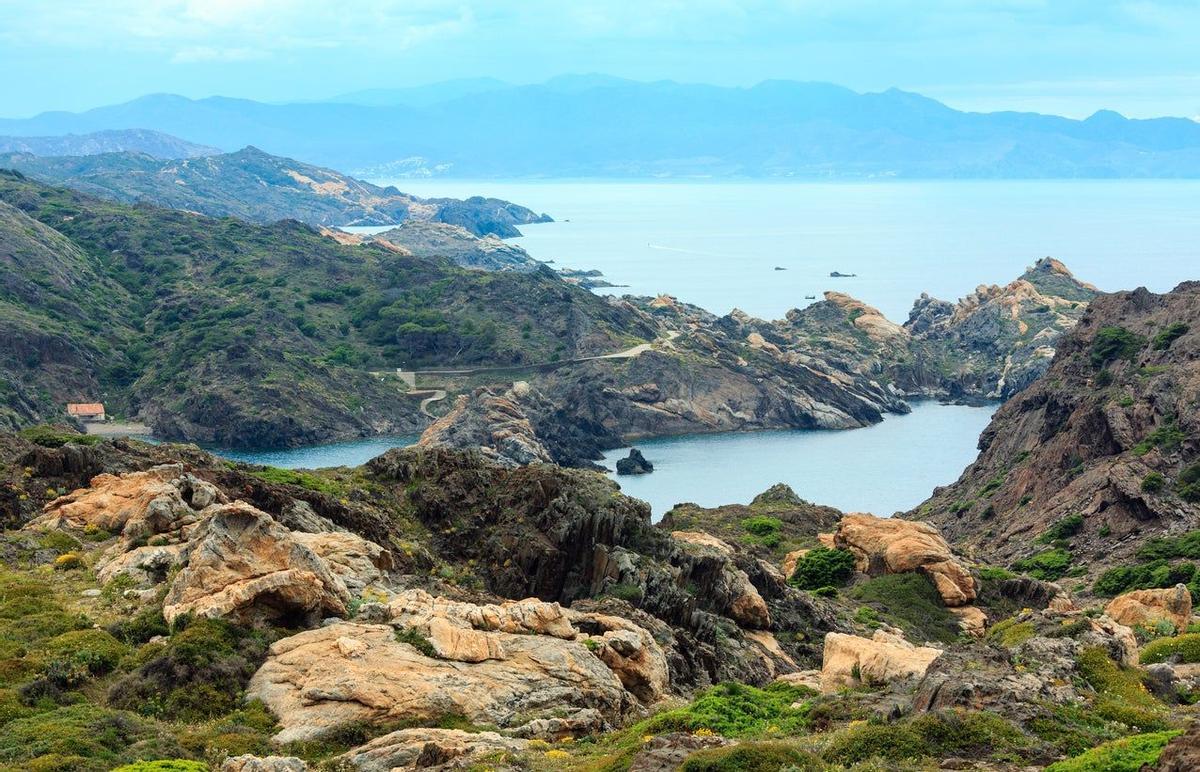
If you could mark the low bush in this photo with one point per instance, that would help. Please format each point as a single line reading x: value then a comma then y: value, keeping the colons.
x: 167, y: 765
x: 56, y: 437
x: 1047, y: 565
x: 1063, y: 529
x: 1127, y: 754
x: 972, y: 734
x: 1168, y: 335
x: 1153, y: 482
x: 95, y: 650
x: 1188, y: 484
x: 1010, y: 633
x: 753, y: 757
x: 1168, y: 437
x: 90, y: 737
x: 1181, y: 648
x: 823, y: 567
x: 738, y: 710
x: 911, y: 602
x: 200, y: 673
x: 1114, y: 343
x: 1156, y: 574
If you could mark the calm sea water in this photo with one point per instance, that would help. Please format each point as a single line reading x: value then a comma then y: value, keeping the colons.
x: 352, y: 453
x: 886, y: 468
x: 718, y: 244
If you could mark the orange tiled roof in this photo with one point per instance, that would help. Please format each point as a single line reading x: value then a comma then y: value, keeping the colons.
x: 85, y: 408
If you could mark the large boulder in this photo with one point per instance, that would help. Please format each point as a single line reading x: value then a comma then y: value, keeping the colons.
x: 850, y: 660
x: 1149, y: 607
x: 430, y: 748
x: 134, y: 506
x: 243, y: 565
x: 894, y: 546
x: 746, y: 606
x: 538, y: 685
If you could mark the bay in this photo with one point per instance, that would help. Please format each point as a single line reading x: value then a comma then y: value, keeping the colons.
x: 890, y: 467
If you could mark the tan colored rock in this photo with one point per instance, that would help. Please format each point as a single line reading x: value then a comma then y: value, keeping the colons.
x: 790, y: 560
x: 850, y: 660
x: 312, y: 686
x: 410, y: 749
x: 415, y: 608
x: 358, y: 562
x: 135, y: 506
x: 702, y: 539
x: 894, y: 546
x: 145, y: 565
x: 810, y: 679
x: 1149, y: 607
x: 971, y: 619
x: 869, y: 319
x: 1122, y: 635
x: 244, y: 566
x: 249, y: 763
x: 631, y: 652
x: 826, y: 540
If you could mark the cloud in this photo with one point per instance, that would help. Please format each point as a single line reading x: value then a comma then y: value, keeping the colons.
x: 193, y: 54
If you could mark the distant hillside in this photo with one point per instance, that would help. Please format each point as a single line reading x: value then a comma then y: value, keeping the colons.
x: 153, y: 143
x: 600, y: 126
x: 248, y: 335
x: 260, y: 187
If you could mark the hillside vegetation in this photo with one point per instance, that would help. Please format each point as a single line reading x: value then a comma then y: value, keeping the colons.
x: 225, y: 331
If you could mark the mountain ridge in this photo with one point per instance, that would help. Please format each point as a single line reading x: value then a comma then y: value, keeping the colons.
x: 613, y: 128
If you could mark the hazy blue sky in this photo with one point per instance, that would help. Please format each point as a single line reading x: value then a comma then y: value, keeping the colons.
x: 1065, y: 56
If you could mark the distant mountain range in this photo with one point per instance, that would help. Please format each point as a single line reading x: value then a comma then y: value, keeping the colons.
x: 153, y: 143
x: 264, y: 188
x: 599, y: 126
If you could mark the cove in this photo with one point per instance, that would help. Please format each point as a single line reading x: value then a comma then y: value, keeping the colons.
x: 350, y: 453
x: 890, y: 467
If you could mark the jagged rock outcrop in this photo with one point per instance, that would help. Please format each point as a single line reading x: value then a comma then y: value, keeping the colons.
x: 1103, y: 442
x: 850, y: 660
x: 1182, y: 754
x: 893, y: 546
x: 243, y: 566
x: 495, y: 423
x: 412, y: 749
x: 1149, y: 607
x: 746, y: 605
x: 249, y: 763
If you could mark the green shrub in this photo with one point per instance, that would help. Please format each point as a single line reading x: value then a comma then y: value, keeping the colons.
x: 946, y: 733
x: 1181, y: 648
x: 97, y: 738
x: 171, y: 765
x: 1168, y: 437
x: 143, y: 626
x: 200, y: 673
x: 1153, y: 482
x: 761, y: 525
x: 823, y: 567
x: 1046, y: 565
x: 415, y: 638
x: 59, y: 541
x: 1153, y: 575
x: 1127, y: 754
x: 55, y: 437
x: 911, y: 602
x: 995, y: 573
x: 1185, y: 546
x: 1063, y: 529
x: 753, y: 757
x: 1165, y: 337
x: 1072, y: 729
x: 95, y: 649
x: 1188, y: 484
x: 738, y: 710
x: 1114, y: 343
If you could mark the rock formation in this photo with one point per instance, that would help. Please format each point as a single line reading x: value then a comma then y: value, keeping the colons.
x: 853, y: 661
x: 634, y: 463
x: 1146, y: 608
x: 893, y: 546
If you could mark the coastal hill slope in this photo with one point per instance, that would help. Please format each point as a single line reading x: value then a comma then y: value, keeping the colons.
x: 608, y: 127
x: 152, y: 143
x: 260, y: 187
x: 1080, y: 470
x: 250, y: 335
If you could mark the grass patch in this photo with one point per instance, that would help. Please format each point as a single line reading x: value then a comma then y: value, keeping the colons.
x: 1127, y: 754
x: 911, y: 602
x: 1120, y: 694
x: 1168, y: 335
x: 1181, y: 648
x: 1010, y: 633
x: 56, y: 437
x: 1047, y: 565
x: 306, y: 480
x: 948, y: 733
x: 753, y: 757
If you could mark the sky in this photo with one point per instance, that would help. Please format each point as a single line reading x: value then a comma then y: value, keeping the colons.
x: 1069, y: 57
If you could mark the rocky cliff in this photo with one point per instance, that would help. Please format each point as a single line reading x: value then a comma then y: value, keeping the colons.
x: 1080, y: 470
